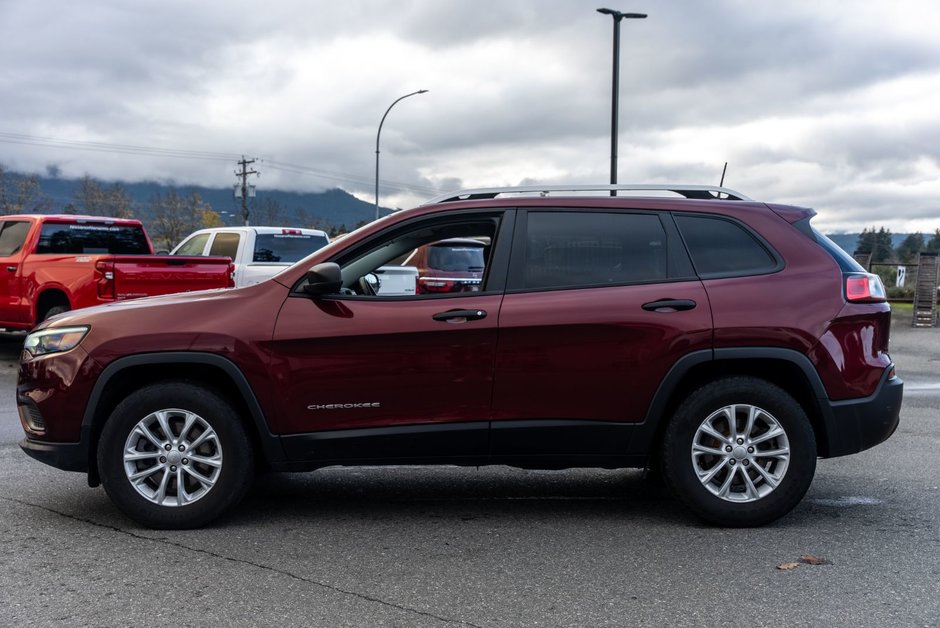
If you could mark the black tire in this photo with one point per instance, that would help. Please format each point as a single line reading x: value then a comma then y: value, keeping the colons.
x: 55, y: 310
x: 729, y: 498
x: 214, y: 479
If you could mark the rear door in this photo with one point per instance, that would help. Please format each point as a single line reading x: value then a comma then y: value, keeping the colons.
x: 599, y: 306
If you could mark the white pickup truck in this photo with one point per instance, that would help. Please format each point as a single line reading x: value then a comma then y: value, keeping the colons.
x: 257, y: 252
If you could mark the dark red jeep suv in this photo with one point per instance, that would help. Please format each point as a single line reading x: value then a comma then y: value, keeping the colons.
x: 721, y: 340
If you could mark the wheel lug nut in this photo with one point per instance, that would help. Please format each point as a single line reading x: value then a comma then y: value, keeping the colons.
x: 185, y: 460
x: 173, y: 468
x: 750, y: 450
x: 729, y: 449
x: 168, y: 447
x: 740, y: 441
x: 747, y: 462
x: 731, y: 462
x: 162, y: 459
x: 181, y: 448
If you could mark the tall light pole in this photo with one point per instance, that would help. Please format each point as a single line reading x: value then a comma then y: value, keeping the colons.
x: 377, y: 136
x: 615, y: 98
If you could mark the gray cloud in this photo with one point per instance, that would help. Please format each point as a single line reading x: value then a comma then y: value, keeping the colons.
x: 810, y: 102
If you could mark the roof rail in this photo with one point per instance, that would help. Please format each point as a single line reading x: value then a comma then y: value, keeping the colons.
x: 706, y: 192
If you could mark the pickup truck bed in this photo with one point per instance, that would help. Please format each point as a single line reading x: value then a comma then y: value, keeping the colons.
x: 55, y: 263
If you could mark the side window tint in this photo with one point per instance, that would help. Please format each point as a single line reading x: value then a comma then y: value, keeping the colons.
x: 568, y: 249
x: 194, y: 246
x: 434, y: 259
x: 12, y: 237
x: 225, y: 245
x: 720, y: 247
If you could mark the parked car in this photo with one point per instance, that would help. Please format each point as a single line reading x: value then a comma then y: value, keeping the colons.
x: 57, y: 263
x: 452, y: 265
x: 722, y: 340
x: 257, y: 252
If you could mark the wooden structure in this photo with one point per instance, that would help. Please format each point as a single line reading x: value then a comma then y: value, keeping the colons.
x: 925, y: 290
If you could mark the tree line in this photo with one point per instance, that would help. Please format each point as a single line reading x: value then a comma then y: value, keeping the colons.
x: 168, y: 216
x: 879, y: 244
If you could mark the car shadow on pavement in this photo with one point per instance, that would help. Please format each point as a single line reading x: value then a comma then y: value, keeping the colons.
x: 408, y: 493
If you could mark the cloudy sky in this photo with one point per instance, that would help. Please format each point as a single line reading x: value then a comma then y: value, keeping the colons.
x: 824, y: 103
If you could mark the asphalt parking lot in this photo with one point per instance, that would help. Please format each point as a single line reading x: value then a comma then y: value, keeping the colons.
x: 487, y: 547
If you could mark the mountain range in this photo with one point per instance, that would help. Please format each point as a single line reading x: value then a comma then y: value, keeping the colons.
x: 334, y: 208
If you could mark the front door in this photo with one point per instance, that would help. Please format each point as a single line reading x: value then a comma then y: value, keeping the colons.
x: 370, y: 376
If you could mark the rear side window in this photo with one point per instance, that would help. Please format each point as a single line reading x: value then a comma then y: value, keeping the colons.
x: 286, y: 247
x: 12, y: 236
x: 225, y: 245
x: 571, y: 249
x: 722, y: 248
x: 75, y: 239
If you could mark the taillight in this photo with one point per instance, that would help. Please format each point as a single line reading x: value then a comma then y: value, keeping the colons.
x: 105, y: 279
x: 231, y: 275
x: 864, y: 288
x: 428, y: 285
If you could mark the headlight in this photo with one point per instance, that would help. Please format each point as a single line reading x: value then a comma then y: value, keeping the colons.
x: 54, y: 340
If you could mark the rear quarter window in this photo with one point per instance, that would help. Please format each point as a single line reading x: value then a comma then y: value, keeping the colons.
x: 723, y: 248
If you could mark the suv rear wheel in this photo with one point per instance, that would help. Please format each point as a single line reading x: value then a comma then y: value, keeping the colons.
x: 174, y: 455
x: 739, y: 452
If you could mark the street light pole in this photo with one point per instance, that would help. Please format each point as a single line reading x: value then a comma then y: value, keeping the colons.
x: 377, y: 136
x: 615, y: 98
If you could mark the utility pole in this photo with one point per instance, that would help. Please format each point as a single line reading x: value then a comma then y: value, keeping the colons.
x: 243, y: 190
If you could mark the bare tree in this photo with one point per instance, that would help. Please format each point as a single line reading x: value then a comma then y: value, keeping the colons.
x: 177, y: 215
x: 96, y: 200
x: 21, y: 194
x: 268, y: 212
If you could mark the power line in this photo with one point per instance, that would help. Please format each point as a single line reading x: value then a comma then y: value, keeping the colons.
x: 178, y: 153
x: 51, y: 142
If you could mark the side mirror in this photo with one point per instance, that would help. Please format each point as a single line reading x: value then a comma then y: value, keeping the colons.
x: 325, y: 278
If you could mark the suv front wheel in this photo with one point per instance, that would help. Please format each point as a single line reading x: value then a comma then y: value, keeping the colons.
x: 175, y: 455
x: 739, y: 452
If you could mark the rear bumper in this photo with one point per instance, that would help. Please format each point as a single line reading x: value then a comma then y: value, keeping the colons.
x: 855, y: 425
x: 65, y: 456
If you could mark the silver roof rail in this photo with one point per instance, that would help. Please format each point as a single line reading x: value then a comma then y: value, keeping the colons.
x: 707, y: 192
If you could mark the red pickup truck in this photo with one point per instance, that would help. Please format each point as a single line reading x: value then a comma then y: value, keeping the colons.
x: 50, y: 264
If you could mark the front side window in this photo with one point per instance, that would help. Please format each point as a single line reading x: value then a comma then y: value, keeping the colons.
x: 723, y: 248
x: 572, y: 249
x: 433, y: 258
x: 193, y: 246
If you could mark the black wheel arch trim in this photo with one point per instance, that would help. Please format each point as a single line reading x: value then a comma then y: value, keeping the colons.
x: 272, y: 449
x: 655, y: 418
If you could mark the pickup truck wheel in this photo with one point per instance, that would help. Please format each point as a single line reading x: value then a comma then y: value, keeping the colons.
x: 55, y: 310
x: 739, y: 452
x: 174, y: 455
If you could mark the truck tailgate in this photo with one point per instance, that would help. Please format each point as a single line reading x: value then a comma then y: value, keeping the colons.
x: 152, y: 275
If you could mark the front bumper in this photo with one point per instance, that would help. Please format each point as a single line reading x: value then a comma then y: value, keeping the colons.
x: 855, y: 425
x: 65, y: 456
